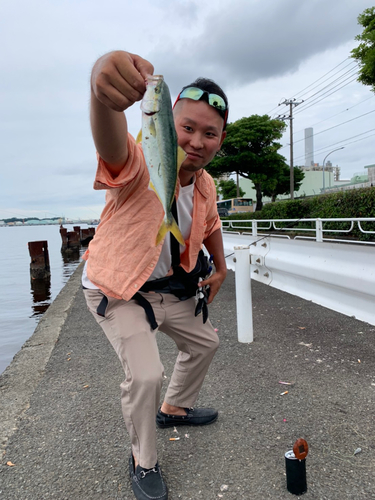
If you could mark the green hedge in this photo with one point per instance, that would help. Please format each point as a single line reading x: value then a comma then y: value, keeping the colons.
x: 343, y: 204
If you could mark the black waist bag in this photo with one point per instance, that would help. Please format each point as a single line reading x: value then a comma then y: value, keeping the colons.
x: 181, y: 284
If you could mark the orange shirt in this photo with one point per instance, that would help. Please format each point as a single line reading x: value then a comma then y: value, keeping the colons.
x: 122, y: 255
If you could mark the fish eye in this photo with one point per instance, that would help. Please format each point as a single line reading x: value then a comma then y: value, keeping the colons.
x: 157, y: 90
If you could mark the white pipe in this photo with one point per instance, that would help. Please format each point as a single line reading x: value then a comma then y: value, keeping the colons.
x: 319, y: 230
x: 243, y: 295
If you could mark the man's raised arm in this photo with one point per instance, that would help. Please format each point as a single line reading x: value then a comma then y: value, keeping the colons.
x: 117, y: 82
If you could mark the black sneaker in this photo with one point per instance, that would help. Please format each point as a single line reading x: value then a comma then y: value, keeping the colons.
x: 148, y: 484
x: 194, y: 416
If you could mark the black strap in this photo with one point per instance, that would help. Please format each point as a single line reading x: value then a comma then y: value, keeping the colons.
x: 148, y: 309
x: 175, y: 255
x: 102, y: 306
x: 141, y: 301
x: 159, y: 285
x: 175, y: 246
x: 165, y: 284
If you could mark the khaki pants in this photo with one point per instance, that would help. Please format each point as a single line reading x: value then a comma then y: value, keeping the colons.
x: 128, y: 330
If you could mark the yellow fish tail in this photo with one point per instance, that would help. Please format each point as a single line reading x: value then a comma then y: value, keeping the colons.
x: 173, y: 228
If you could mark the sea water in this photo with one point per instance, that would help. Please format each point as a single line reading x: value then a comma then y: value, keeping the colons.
x: 21, y: 303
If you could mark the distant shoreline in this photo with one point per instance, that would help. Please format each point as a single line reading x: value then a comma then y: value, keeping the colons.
x: 40, y: 223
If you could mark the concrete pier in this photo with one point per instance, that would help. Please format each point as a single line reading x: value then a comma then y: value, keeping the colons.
x: 61, y: 423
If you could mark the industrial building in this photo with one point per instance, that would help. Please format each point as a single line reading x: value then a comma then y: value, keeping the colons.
x: 318, y: 179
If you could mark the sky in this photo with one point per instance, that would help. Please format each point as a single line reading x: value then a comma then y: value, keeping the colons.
x: 262, y: 52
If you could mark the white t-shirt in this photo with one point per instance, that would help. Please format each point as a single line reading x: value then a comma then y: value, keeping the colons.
x: 185, y: 216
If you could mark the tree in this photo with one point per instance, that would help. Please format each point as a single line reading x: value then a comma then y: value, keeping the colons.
x: 250, y: 148
x: 365, y: 52
x: 228, y: 189
x: 281, y: 184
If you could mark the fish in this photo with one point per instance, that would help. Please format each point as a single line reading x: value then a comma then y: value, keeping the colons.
x: 161, y: 151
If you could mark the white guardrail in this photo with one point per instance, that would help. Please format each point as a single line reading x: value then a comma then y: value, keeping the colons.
x: 338, y: 274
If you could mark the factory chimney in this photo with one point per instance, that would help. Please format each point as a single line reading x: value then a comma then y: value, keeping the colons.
x: 309, y: 147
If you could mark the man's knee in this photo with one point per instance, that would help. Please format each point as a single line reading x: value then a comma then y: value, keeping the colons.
x: 216, y: 343
x: 148, y: 380
x: 212, y: 344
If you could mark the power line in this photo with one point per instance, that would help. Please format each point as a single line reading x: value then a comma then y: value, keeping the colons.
x: 343, y: 111
x: 270, y: 111
x: 300, y: 92
x: 313, y: 84
x: 343, y: 141
x: 363, y: 139
x: 349, y: 73
x: 320, y: 78
x: 321, y: 98
x: 325, y: 86
x: 334, y: 126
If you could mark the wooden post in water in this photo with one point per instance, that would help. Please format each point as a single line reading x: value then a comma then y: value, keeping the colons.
x: 64, y: 237
x: 74, y: 240
x: 39, y: 266
x: 70, y: 241
x: 77, y: 229
x: 87, y: 235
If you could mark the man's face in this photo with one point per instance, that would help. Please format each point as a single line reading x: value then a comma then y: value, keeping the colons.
x: 200, y: 132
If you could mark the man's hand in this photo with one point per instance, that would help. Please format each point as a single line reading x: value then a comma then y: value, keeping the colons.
x: 118, y: 79
x: 214, y: 282
x: 214, y: 246
x: 117, y: 82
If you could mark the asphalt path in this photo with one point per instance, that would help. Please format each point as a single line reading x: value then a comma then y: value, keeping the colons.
x: 64, y: 437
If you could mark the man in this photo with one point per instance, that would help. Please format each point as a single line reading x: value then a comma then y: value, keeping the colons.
x: 125, y: 268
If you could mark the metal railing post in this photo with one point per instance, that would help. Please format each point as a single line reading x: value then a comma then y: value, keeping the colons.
x: 254, y: 227
x: 319, y: 230
x: 243, y: 295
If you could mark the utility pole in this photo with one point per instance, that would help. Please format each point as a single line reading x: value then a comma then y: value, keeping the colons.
x: 291, y: 103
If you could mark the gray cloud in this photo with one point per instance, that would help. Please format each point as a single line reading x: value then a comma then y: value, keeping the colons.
x: 254, y: 40
x: 48, y: 156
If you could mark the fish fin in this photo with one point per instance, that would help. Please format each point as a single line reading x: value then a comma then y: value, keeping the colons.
x: 139, y: 137
x: 181, y: 156
x: 151, y: 186
x: 173, y: 228
x: 152, y: 127
x: 161, y: 234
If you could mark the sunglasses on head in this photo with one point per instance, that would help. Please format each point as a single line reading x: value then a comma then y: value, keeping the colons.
x: 213, y: 100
